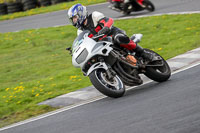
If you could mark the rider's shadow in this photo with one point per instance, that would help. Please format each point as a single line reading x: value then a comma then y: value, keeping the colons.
x: 151, y: 87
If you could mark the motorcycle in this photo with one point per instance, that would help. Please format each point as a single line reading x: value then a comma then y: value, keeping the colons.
x: 132, y: 6
x: 108, y: 67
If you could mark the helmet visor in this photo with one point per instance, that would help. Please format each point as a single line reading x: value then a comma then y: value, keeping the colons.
x: 74, y: 20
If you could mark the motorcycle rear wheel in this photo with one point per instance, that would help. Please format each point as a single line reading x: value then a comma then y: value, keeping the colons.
x: 113, y: 88
x: 159, y: 74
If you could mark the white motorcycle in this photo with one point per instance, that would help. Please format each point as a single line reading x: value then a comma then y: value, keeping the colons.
x: 109, y: 69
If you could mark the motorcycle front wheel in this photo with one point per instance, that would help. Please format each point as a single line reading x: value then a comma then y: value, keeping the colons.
x: 110, y: 87
x: 149, y: 5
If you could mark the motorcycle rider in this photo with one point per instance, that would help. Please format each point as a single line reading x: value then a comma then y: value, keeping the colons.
x: 98, y: 24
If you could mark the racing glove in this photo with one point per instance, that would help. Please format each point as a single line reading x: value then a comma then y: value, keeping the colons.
x: 104, y: 30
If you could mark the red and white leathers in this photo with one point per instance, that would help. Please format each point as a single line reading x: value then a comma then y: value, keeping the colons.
x: 97, y: 23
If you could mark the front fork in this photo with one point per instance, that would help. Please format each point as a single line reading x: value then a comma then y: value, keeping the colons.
x: 110, y: 73
x: 102, y: 65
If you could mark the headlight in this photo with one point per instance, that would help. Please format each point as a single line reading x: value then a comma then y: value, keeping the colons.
x: 82, y: 56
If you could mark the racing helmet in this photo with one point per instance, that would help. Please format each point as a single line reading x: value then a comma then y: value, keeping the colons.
x: 77, y: 15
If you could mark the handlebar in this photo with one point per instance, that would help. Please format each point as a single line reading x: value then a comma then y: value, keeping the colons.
x: 98, y: 36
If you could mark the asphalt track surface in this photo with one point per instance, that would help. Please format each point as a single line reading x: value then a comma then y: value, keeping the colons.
x: 168, y: 107
x: 60, y: 17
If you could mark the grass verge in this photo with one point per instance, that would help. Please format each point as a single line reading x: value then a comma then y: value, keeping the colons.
x: 57, y: 7
x: 35, y: 66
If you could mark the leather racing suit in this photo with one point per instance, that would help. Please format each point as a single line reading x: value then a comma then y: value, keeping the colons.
x: 97, y: 23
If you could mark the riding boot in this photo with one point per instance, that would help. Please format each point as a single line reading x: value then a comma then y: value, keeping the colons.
x: 143, y: 53
x: 129, y: 44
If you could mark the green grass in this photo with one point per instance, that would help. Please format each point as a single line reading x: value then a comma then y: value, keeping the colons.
x: 57, y: 7
x: 35, y: 65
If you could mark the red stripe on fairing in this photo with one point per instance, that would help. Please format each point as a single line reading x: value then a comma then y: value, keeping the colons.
x: 108, y: 24
x: 98, y: 28
x: 130, y: 46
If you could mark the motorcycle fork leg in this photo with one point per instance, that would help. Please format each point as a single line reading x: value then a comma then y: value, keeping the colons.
x: 111, y: 74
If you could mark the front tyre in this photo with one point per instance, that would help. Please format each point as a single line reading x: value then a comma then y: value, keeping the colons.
x: 110, y: 87
x: 158, y: 73
x: 149, y: 5
x: 127, y: 9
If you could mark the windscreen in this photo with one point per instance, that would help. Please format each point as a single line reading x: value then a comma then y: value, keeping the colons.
x: 79, y: 40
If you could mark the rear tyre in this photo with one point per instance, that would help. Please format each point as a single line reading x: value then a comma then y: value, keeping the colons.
x: 28, y: 7
x: 3, y: 9
x: 44, y: 2
x: 14, y: 7
x: 159, y: 74
x: 29, y: 4
x: 113, y: 88
x: 57, y: 1
x: 149, y: 5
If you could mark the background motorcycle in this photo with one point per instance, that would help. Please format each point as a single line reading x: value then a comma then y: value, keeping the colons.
x: 108, y: 67
x: 132, y: 6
